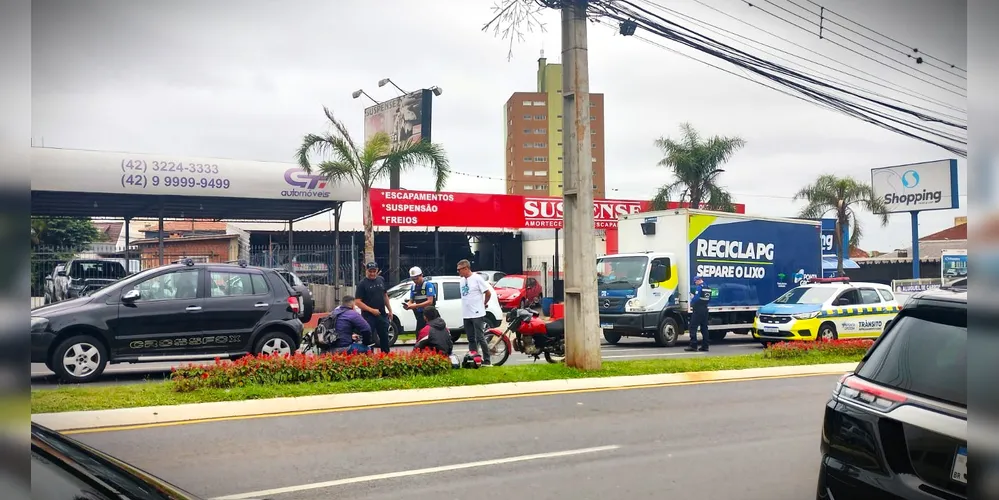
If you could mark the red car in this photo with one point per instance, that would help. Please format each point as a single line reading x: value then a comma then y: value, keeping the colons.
x: 517, y: 290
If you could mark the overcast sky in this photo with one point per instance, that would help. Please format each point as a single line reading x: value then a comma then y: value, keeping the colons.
x: 246, y: 79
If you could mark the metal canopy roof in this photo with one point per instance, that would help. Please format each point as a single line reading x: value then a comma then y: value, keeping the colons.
x: 79, y: 204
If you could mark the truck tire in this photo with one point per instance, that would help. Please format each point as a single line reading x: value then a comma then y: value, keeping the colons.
x: 667, y: 333
x: 717, y: 335
x: 611, y: 337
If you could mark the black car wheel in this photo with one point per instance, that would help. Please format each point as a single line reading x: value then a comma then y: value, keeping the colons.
x: 395, y: 327
x: 274, y: 342
x: 79, y: 359
x: 611, y: 337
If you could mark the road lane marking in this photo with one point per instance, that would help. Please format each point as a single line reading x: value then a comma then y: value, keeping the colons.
x: 320, y: 411
x: 410, y: 473
x: 658, y: 354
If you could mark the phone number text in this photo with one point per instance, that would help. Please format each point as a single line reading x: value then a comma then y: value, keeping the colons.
x: 176, y: 167
x: 142, y: 181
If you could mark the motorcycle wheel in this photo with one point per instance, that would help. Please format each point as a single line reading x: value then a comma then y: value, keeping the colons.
x: 555, y: 358
x: 499, y: 348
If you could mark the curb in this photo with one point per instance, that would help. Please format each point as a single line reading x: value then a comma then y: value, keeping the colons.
x: 152, y: 416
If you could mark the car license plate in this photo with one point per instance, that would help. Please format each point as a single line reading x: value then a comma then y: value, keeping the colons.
x: 606, y: 326
x: 770, y: 329
x: 960, y: 471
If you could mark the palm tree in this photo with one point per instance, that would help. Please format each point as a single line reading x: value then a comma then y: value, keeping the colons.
x: 841, y: 195
x: 695, y: 164
x: 367, y: 164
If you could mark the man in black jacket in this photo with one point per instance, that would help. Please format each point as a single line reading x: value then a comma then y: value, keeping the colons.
x: 439, y: 338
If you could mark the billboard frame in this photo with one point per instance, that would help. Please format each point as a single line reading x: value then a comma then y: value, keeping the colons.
x: 423, y: 96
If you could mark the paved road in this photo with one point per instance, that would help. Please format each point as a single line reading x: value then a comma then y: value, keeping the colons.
x: 740, y: 440
x: 128, y: 373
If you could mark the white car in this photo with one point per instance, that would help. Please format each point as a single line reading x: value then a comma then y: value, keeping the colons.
x: 491, y: 277
x: 448, y: 303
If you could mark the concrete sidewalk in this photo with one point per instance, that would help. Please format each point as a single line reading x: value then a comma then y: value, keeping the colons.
x: 163, y: 415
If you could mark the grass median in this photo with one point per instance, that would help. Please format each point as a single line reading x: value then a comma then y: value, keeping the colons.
x: 77, y: 398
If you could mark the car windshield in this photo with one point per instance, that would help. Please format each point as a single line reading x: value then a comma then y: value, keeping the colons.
x: 807, y: 295
x: 510, y: 282
x: 621, y: 272
x: 400, y: 289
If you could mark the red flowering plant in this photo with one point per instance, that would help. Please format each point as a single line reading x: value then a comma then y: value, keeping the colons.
x: 844, y: 347
x: 304, y: 368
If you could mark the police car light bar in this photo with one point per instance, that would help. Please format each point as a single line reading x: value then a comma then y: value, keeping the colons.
x: 843, y: 279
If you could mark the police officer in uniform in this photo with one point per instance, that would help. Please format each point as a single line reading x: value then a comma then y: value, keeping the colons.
x: 422, y: 294
x: 700, y: 295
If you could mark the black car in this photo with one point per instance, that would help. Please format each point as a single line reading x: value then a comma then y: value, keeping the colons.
x: 898, y: 426
x: 176, y: 312
x: 65, y: 469
x: 84, y: 276
x: 308, y: 303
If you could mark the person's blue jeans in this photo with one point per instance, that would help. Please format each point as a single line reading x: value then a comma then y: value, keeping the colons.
x: 379, y: 327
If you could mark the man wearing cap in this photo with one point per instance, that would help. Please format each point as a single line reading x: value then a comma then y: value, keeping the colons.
x: 372, y: 297
x: 422, y: 294
x: 700, y: 295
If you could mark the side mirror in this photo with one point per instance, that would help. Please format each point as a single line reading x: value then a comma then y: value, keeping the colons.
x: 48, y: 278
x: 130, y: 296
x: 61, y: 273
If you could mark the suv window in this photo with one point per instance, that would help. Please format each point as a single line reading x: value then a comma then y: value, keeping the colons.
x: 230, y: 284
x: 451, y: 290
x: 870, y: 296
x: 886, y: 295
x: 260, y: 286
x: 923, y: 353
x: 173, y: 285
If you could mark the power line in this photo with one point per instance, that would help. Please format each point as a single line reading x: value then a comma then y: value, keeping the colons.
x: 887, y: 83
x: 914, y: 50
x: 736, y: 36
x: 747, y: 2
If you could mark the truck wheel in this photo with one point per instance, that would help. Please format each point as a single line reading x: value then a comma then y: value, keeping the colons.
x: 611, y: 337
x: 667, y: 333
x: 717, y: 335
x: 827, y: 332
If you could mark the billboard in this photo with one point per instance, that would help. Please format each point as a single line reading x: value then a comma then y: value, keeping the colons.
x: 917, y: 187
x: 953, y: 266
x: 405, y: 118
x: 403, y: 207
x: 68, y: 170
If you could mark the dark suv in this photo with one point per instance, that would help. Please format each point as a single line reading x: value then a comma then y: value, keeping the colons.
x: 183, y: 311
x: 898, y: 426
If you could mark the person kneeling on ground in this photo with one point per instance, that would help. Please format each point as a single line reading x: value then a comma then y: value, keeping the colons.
x: 438, y: 337
x: 349, y: 328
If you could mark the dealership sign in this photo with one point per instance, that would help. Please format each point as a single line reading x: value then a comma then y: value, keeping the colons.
x: 402, y: 207
x: 917, y: 187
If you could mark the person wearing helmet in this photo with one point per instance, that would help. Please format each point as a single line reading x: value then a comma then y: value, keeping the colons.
x: 421, y: 295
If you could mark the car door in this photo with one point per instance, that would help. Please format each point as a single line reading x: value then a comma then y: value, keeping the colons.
x: 847, y: 307
x: 872, y: 322
x: 533, y: 290
x: 164, y: 319
x: 233, y: 307
x: 449, y: 303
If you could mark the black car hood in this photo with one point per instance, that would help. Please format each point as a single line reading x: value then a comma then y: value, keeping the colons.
x: 60, y: 307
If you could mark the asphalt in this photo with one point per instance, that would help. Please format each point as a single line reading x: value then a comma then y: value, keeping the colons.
x: 753, y: 440
x: 628, y: 348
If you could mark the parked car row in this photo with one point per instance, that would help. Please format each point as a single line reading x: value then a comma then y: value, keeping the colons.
x: 448, y: 304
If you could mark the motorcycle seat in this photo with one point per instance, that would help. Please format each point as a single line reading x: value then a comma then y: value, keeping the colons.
x: 556, y: 328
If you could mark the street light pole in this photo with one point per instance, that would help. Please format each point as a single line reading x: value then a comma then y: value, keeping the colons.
x: 582, y: 323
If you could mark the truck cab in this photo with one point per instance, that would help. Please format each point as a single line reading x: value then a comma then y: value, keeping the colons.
x: 633, y: 290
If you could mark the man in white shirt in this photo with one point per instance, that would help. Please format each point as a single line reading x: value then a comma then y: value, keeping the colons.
x: 475, y: 296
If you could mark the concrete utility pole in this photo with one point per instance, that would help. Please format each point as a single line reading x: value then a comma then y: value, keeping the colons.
x: 582, y: 322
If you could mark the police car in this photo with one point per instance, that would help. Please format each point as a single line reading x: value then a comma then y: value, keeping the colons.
x: 827, y: 309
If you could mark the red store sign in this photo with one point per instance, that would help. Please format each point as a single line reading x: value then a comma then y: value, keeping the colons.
x: 402, y: 207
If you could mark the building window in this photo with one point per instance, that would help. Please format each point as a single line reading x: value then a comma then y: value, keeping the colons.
x: 527, y: 131
x: 593, y: 145
x: 560, y: 171
x: 593, y: 132
x: 539, y: 103
x: 560, y: 144
x: 542, y: 186
x: 527, y: 103
x: 559, y: 130
x: 540, y: 117
x: 560, y: 159
x: 528, y: 173
x: 559, y: 185
x: 528, y: 159
x: 542, y: 145
x: 540, y: 159
x: 541, y: 173
x: 593, y: 160
x: 529, y: 187
x: 560, y: 116
x: 539, y: 131
x: 527, y: 117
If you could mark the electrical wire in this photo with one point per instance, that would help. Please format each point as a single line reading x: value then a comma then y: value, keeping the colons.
x: 910, y: 48
x: 854, y: 51
x: 774, y: 72
x: 737, y: 37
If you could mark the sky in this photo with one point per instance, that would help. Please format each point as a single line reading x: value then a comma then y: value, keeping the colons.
x: 248, y: 79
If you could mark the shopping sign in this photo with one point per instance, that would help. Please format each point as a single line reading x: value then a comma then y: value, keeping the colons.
x: 402, y: 207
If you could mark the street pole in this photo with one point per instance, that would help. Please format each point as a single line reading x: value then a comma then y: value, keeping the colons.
x: 582, y: 323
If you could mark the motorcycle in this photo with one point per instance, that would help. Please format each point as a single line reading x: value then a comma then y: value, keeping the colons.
x: 531, y: 336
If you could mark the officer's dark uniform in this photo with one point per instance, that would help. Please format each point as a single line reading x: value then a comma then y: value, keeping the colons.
x: 700, y: 295
x: 420, y: 294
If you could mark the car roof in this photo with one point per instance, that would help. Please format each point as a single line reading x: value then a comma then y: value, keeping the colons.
x: 945, y: 296
x: 852, y: 284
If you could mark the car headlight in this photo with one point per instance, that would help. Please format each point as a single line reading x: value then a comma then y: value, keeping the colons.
x: 808, y: 315
x: 634, y: 305
x: 39, y: 324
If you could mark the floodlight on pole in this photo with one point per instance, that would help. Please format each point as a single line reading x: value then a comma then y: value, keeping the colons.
x: 383, y: 81
x: 359, y: 92
x: 437, y: 90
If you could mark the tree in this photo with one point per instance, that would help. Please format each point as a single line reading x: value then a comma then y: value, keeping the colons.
x: 63, y: 233
x: 695, y: 165
x: 841, y: 195
x: 367, y: 164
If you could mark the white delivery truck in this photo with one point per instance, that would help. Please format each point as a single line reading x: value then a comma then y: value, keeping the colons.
x: 746, y: 261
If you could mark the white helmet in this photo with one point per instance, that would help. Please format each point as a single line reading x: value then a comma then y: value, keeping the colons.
x: 415, y: 271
